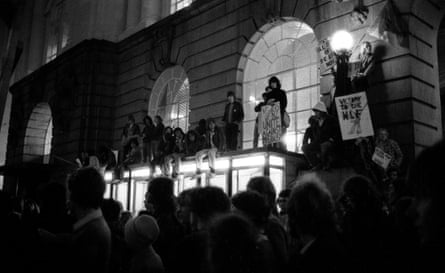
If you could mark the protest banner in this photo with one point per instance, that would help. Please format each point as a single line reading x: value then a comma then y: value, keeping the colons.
x: 327, y: 56
x: 381, y: 158
x: 354, y: 116
x: 270, y: 123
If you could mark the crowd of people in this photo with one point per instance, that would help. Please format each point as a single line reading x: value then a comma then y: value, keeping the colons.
x: 164, y: 146
x: 322, y: 145
x: 204, y: 230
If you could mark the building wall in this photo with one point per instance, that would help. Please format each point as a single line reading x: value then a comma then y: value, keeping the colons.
x: 79, y: 88
x: 208, y: 43
x: 111, y: 20
x: 208, y: 39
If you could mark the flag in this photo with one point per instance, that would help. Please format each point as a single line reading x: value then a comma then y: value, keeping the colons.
x: 390, y: 27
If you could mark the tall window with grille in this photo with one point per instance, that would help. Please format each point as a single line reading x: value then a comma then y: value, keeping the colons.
x: 56, y: 30
x: 179, y: 4
x: 170, y: 98
x: 174, y: 104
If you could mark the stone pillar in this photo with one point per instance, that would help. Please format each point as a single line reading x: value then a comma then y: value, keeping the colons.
x: 133, y: 13
x: 150, y: 11
x: 37, y: 40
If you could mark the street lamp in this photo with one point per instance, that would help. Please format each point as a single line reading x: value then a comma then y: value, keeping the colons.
x: 342, y: 43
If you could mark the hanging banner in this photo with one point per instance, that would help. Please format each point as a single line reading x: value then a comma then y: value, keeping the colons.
x: 354, y: 116
x: 381, y: 158
x: 270, y: 123
x: 327, y: 56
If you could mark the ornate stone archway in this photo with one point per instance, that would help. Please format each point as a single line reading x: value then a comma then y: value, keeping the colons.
x: 285, y: 48
x: 38, y: 135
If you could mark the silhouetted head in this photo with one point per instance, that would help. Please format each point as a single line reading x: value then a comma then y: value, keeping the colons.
x: 86, y: 188
x: 160, y: 196
x: 231, y: 96
x: 148, y: 121
x: 252, y: 205
x: 275, y: 83
x: 310, y: 208
x: 206, y: 203
x: 233, y: 245
x: 264, y: 186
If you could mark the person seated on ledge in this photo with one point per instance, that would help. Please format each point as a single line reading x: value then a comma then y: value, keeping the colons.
x: 214, y: 142
x: 165, y: 147
x: 135, y: 155
x: 178, y: 153
x: 131, y: 131
x: 192, y: 143
x: 327, y: 139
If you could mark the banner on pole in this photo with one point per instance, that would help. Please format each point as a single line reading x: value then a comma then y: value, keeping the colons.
x: 354, y: 116
x: 270, y: 123
x: 327, y: 56
x: 381, y: 158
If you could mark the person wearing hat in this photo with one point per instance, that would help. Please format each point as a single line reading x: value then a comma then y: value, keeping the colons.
x: 140, y: 234
x: 327, y: 136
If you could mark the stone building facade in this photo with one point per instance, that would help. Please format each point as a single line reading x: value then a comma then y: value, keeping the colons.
x: 182, y: 66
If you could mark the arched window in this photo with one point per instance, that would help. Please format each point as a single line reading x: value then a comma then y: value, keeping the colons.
x: 287, y: 50
x: 170, y: 98
x: 39, y: 133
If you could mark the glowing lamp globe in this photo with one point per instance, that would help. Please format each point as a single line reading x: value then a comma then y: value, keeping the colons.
x: 342, y: 41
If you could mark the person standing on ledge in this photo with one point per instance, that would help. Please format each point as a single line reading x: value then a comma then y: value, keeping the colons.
x: 233, y: 115
x: 278, y: 95
x: 131, y: 131
x: 367, y: 65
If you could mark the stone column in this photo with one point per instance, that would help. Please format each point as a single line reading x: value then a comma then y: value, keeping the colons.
x: 133, y: 13
x: 150, y: 11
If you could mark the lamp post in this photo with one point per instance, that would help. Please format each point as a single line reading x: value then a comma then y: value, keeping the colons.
x: 342, y: 43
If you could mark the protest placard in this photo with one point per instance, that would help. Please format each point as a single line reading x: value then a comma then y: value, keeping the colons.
x: 354, y: 116
x: 327, y: 56
x: 381, y: 158
x: 270, y: 123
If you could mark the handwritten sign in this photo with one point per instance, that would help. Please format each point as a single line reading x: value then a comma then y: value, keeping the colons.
x: 381, y: 158
x: 327, y: 56
x: 270, y: 123
x: 354, y: 116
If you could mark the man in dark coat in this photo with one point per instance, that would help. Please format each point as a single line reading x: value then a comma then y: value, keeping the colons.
x: 233, y: 116
x: 328, y: 137
x: 91, y: 238
x: 367, y: 65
